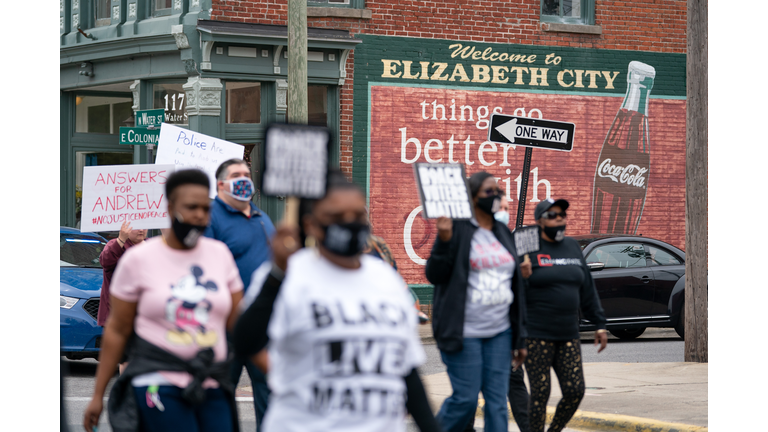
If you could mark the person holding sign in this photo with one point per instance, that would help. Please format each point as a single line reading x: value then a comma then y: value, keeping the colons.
x: 560, y: 285
x: 246, y: 230
x: 479, y: 308
x: 172, y: 298
x: 343, y: 345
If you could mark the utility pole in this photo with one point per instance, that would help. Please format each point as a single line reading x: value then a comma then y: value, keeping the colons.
x: 696, y: 204
x: 297, y: 81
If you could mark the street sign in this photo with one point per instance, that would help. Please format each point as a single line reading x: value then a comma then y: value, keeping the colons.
x: 529, y: 132
x: 153, y: 117
x: 139, y: 135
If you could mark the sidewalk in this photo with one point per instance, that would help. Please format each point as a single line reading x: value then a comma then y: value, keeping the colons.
x: 621, y: 396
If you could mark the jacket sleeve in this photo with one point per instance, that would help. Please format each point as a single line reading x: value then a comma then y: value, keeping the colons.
x: 110, y: 255
x: 590, y: 301
x: 250, y: 335
x: 440, y: 262
x: 418, y: 404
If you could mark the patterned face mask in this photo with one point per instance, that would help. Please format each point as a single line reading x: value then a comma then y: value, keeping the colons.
x: 241, y: 188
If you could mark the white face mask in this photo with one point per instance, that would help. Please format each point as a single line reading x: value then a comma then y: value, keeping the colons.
x: 241, y: 188
x: 502, y: 216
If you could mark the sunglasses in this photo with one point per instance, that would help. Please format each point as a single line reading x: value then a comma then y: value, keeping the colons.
x: 552, y: 215
x: 491, y: 191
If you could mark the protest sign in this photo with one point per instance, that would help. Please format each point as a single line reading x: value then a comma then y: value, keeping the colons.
x: 187, y: 149
x: 113, y: 194
x: 443, y: 190
x: 295, y: 160
x: 527, y: 239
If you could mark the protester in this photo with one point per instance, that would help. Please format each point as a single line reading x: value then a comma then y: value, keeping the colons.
x: 108, y: 259
x: 478, y: 310
x: 343, y: 345
x: 560, y: 285
x: 236, y: 221
x: 172, y: 298
x: 518, y: 393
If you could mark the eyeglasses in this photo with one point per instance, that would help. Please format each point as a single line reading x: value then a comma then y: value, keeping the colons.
x: 552, y: 215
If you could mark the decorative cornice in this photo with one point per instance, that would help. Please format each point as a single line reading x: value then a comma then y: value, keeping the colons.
x: 203, y: 96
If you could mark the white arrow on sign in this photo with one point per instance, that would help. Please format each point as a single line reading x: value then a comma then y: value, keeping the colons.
x: 512, y: 130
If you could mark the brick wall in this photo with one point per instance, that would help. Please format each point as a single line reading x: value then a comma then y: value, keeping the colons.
x: 643, y: 25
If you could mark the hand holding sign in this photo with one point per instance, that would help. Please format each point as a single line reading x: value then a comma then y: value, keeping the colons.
x: 295, y: 164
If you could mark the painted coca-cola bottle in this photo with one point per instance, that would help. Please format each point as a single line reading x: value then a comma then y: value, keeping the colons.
x: 623, y: 168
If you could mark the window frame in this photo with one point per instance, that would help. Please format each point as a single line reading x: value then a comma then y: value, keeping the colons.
x: 587, y: 14
x: 650, y: 262
x: 101, y: 22
x: 155, y: 12
x: 353, y: 4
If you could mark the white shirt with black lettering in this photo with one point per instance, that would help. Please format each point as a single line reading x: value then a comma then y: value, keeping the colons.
x: 341, y: 343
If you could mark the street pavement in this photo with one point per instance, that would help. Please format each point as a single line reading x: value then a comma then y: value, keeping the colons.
x: 620, y: 396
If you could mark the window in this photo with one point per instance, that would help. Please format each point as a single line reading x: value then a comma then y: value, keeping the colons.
x: 103, y: 12
x: 243, y: 102
x: 660, y: 257
x: 618, y: 255
x: 102, y: 114
x: 568, y: 11
x: 161, y: 7
x: 172, y: 98
x: 317, y: 105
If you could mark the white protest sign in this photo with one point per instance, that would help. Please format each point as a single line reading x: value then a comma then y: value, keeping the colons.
x: 443, y: 190
x: 187, y: 149
x: 113, y: 194
x: 295, y: 160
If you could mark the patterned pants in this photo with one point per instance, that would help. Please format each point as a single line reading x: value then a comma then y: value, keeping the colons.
x: 565, y: 358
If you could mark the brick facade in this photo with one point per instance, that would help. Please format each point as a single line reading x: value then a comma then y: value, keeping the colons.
x: 380, y: 98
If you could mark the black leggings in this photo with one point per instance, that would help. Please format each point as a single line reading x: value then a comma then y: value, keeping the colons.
x: 565, y: 358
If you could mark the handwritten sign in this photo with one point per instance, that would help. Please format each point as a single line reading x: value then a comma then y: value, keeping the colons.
x: 443, y: 190
x: 295, y: 160
x: 187, y: 149
x: 113, y: 194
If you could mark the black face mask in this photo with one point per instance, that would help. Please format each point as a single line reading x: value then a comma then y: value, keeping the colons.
x: 347, y: 239
x: 187, y: 234
x: 556, y: 233
x: 490, y: 204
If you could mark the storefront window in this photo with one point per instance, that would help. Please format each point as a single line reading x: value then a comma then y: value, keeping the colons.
x: 171, y: 97
x: 317, y: 109
x: 99, y: 114
x: 243, y: 102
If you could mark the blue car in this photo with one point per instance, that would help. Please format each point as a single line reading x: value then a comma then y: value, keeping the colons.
x: 81, y: 276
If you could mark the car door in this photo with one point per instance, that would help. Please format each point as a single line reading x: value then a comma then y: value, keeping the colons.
x: 623, y: 282
x: 667, y: 269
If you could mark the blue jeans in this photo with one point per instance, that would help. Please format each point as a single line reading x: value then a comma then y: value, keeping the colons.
x: 482, y: 365
x: 258, y: 384
x: 213, y: 415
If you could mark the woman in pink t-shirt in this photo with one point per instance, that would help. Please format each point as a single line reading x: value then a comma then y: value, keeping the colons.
x: 176, y: 296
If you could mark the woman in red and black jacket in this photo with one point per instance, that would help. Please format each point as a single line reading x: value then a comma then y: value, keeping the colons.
x: 479, y: 308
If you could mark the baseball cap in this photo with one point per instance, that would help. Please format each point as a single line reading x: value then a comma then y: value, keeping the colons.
x: 546, y: 204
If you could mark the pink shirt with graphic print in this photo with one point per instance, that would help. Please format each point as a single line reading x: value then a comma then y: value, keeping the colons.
x: 184, y: 297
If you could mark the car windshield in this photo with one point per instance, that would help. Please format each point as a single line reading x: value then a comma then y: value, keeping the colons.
x: 80, y: 251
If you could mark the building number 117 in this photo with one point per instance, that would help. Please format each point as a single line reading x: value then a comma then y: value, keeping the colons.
x: 173, y: 100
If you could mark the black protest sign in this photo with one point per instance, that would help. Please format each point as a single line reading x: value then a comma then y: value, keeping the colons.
x: 443, y: 191
x: 527, y: 239
x: 295, y: 161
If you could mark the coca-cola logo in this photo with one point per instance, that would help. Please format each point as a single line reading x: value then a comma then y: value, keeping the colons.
x: 631, y: 174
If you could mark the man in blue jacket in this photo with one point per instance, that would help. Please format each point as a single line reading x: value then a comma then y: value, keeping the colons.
x: 247, y: 231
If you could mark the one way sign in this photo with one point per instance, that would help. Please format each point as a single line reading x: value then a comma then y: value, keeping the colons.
x: 528, y: 132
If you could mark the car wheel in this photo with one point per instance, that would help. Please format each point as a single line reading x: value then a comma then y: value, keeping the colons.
x: 628, y: 333
x: 680, y: 327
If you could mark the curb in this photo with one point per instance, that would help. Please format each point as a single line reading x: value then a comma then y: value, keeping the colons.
x: 592, y: 421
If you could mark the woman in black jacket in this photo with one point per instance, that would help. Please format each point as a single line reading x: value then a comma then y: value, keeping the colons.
x: 479, y: 308
x: 559, y: 285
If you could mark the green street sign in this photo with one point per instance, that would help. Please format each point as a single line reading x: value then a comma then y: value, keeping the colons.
x: 153, y: 117
x: 139, y: 135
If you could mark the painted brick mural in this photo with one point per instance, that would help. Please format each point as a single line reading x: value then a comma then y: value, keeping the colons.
x: 430, y: 101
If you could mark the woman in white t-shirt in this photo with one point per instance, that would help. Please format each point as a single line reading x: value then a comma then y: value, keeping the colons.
x: 343, y: 340
x: 172, y: 299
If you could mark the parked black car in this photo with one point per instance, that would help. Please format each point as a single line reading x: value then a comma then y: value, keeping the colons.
x: 640, y: 281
